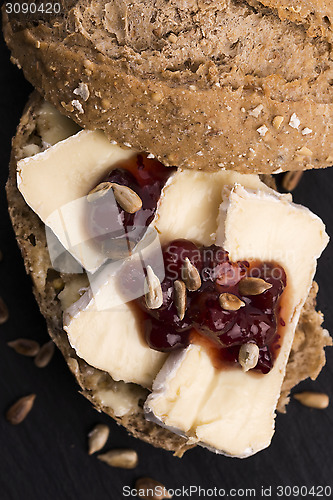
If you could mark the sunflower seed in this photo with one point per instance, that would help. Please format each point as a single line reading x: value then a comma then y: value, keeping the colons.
x: 230, y: 302
x: 125, y: 459
x: 128, y: 199
x: 99, y: 191
x: 149, y: 488
x: 18, y: 412
x: 97, y: 438
x: 253, y: 286
x: 291, y: 179
x: 191, y: 276
x: 4, y: 314
x: 180, y: 298
x: 153, y: 293
x: 248, y: 356
x: 317, y: 400
x: 45, y: 355
x: 26, y: 347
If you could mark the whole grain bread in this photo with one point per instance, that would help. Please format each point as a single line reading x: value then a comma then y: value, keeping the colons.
x: 237, y: 84
x: 306, y: 359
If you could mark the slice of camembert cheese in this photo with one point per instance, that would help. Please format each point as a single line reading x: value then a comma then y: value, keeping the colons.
x: 228, y: 410
x: 55, y: 184
x: 101, y: 327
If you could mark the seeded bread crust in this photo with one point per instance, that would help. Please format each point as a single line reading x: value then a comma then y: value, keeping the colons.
x: 306, y: 359
x: 199, y: 83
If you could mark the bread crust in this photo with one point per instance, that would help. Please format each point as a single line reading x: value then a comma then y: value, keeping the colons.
x: 306, y: 359
x: 217, y: 113
x: 316, y: 15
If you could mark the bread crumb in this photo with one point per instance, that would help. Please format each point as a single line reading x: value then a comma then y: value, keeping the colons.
x: 305, y: 151
x: 77, y: 105
x: 256, y: 111
x: 262, y: 130
x: 82, y: 91
x: 306, y: 131
x: 157, y: 96
x: 67, y: 107
x: 294, y: 121
x: 277, y: 122
x: 172, y: 38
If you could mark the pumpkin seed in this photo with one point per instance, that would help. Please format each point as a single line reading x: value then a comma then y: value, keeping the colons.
x: 253, y: 286
x: 230, y: 302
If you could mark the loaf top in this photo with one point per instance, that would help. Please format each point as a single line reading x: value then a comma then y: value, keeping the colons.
x: 206, y: 84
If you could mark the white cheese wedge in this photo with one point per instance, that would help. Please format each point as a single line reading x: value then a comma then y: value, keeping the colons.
x: 229, y: 410
x: 190, y: 204
x: 55, y: 183
x: 106, y: 333
x: 100, y: 327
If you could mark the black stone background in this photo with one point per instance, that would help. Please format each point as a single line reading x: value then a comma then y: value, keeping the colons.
x: 45, y: 458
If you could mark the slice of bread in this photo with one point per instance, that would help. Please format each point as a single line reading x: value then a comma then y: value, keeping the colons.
x: 121, y: 401
x: 316, y: 16
x: 243, y: 85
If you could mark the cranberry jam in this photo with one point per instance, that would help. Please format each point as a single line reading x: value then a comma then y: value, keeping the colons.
x: 221, y: 308
x: 109, y: 224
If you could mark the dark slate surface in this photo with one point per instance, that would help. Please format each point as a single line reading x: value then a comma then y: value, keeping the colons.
x: 45, y: 458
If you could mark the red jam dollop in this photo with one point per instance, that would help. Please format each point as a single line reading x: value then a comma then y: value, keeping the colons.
x: 205, y: 320
x: 109, y: 225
